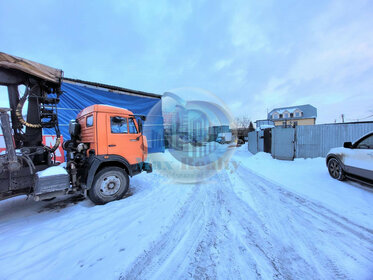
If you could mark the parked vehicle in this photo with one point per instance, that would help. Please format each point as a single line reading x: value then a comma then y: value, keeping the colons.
x: 241, y: 133
x: 353, y: 160
x: 240, y: 142
x: 224, y: 137
x: 106, y: 147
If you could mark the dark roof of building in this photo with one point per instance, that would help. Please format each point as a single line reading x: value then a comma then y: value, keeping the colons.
x: 112, y: 88
x: 308, y: 111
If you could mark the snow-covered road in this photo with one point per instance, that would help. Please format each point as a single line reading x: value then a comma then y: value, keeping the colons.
x: 238, y: 225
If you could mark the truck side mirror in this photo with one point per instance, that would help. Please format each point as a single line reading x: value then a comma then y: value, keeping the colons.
x: 74, y: 128
x: 347, y: 145
x: 139, y: 122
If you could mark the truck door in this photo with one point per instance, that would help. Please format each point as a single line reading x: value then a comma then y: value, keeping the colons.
x: 135, y: 141
x: 124, y: 139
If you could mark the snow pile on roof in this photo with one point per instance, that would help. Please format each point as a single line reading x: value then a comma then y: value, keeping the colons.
x: 264, y: 126
x: 290, y: 110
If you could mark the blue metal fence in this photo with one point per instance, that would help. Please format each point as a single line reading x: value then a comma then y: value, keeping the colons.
x: 308, y: 141
x: 316, y: 140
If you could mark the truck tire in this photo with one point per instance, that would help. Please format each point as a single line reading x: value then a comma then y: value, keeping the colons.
x: 109, y: 184
x: 335, y: 169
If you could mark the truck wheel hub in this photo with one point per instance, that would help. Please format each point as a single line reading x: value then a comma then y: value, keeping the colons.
x: 110, y: 185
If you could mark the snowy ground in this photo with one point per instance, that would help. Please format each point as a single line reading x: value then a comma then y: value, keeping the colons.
x: 258, y: 219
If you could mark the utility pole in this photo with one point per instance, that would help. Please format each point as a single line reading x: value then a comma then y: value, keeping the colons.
x: 343, y: 118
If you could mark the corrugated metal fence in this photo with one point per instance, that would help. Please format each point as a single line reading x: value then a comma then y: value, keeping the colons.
x: 316, y: 140
x: 309, y: 141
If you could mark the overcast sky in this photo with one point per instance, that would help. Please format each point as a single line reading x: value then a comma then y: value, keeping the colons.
x: 254, y: 55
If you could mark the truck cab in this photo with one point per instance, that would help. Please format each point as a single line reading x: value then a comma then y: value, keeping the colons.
x: 110, y: 130
x: 106, y: 148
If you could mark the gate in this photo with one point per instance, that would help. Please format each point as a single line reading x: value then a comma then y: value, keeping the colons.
x: 283, y: 143
x: 267, y: 140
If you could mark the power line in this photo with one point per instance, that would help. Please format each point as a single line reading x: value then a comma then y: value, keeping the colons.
x: 364, y: 118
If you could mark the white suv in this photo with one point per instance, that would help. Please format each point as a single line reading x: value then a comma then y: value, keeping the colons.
x: 353, y: 161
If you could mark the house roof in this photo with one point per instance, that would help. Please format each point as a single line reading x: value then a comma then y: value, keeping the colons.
x: 308, y: 111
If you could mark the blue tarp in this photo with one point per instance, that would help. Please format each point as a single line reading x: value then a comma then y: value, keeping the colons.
x: 76, y: 97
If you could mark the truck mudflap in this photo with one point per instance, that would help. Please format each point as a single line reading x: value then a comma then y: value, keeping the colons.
x: 141, y: 166
x: 148, y: 167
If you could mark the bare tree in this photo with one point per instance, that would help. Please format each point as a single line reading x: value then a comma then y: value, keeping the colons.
x: 237, y: 122
x: 242, y: 122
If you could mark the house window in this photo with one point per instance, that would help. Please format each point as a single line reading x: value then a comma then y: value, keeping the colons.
x: 298, y: 114
x: 291, y: 115
x: 286, y: 115
x: 281, y: 116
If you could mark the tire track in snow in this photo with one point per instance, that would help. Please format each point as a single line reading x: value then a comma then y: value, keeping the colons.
x: 149, y: 263
x: 278, y: 254
x: 356, y: 229
x: 192, y: 247
x: 256, y: 235
x: 312, y: 205
x: 312, y: 212
x: 218, y: 234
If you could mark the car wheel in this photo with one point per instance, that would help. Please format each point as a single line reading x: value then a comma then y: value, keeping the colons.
x: 109, y: 184
x: 335, y: 169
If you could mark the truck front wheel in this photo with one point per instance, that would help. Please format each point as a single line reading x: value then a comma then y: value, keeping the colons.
x: 110, y: 183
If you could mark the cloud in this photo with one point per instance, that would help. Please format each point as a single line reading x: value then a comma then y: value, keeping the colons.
x: 252, y: 54
x: 221, y: 64
x: 334, y: 65
x: 337, y: 52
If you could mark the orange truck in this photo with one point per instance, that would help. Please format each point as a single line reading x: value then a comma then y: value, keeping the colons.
x: 106, y: 148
